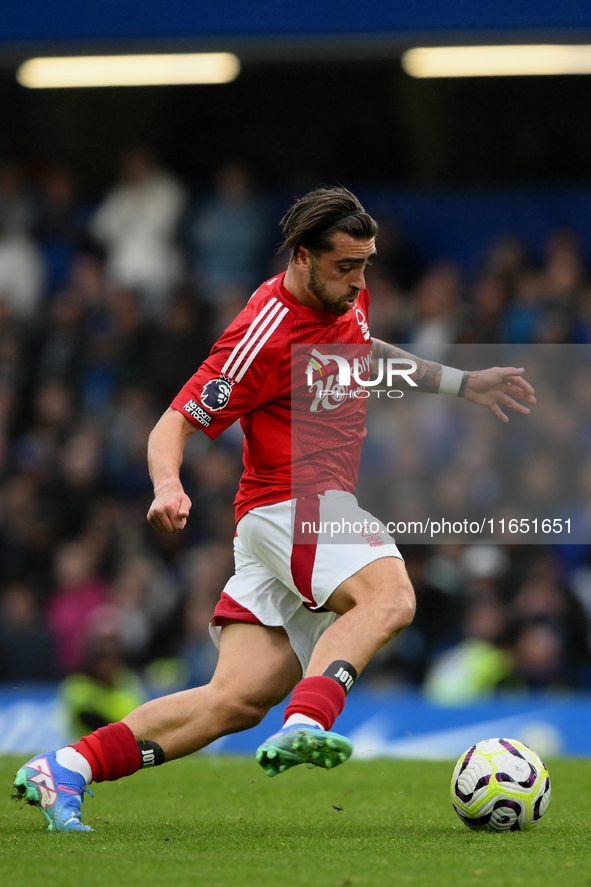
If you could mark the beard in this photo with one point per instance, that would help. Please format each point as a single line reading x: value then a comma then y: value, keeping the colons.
x: 338, y: 307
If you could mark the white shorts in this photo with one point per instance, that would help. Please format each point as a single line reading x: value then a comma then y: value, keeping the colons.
x: 291, y: 556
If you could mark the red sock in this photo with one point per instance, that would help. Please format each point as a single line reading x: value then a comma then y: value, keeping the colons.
x: 111, y: 751
x: 319, y: 698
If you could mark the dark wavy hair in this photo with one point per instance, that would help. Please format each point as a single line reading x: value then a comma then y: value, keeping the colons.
x: 314, y: 219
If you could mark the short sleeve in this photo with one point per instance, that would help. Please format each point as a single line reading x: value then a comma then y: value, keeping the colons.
x: 241, y: 373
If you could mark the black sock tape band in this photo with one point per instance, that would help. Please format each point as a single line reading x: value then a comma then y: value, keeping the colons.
x: 343, y: 673
x: 152, y: 754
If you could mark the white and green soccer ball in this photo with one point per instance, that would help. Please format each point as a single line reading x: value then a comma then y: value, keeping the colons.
x: 500, y: 785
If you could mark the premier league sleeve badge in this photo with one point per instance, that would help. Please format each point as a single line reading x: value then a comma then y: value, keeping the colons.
x: 216, y: 394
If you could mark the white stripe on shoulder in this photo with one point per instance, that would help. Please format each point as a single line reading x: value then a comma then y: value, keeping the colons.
x: 269, y: 332
x: 256, y: 335
x: 252, y: 327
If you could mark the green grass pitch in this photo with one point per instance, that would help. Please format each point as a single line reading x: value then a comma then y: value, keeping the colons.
x: 220, y: 822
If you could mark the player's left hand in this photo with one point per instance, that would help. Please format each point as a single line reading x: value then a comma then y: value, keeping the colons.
x: 497, y: 388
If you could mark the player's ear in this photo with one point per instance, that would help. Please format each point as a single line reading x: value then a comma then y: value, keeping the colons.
x: 301, y: 258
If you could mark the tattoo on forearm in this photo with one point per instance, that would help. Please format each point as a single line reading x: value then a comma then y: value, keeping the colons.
x: 428, y: 374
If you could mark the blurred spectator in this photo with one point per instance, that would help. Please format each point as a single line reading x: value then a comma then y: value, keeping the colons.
x: 546, y: 299
x: 478, y: 660
x: 130, y: 421
x: 207, y: 569
x: 437, y: 306
x: 525, y: 311
x: 26, y: 531
x: 506, y: 258
x: 8, y: 401
x: 142, y: 603
x: 551, y: 644
x: 77, y: 482
x: 60, y: 224
x: 540, y: 660
x: 78, y: 594
x: 116, y: 342
x: 138, y: 223
x: 177, y: 347
x: 215, y: 471
x: 17, y: 211
x: 26, y: 647
x: 61, y: 344
x: 12, y: 347
x: 197, y: 652
x: 36, y: 452
x: 227, y: 236
x: 87, y: 283
x: 564, y: 268
x: 21, y: 274
x: 473, y: 669
x: 103, y: 692
x: 485, y: 316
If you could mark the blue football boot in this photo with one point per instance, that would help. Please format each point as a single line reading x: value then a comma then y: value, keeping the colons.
x: 57, y: 791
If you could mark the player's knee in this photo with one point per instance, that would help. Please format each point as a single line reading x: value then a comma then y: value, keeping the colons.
x: 249, y: 715
x: 396, y: 612
x: 241, y: 714
x: 407, y: 610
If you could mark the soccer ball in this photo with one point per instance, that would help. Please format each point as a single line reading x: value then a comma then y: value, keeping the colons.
x: 500, y: 785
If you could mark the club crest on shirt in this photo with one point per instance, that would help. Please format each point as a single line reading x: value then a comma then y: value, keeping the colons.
x: 216, y: 394
x: 363, y: 325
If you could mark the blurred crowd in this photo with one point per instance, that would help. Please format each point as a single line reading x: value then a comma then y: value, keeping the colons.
x: 107, y: 306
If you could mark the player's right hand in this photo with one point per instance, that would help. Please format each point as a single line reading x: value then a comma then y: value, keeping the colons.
x: 170, y: 509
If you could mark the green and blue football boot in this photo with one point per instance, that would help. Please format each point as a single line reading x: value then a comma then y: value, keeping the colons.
x: 303, y: 744
x: 57, y: 791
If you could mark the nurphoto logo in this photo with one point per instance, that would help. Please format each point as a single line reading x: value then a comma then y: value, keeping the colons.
x: 333, y: 387
x: 394, y: 366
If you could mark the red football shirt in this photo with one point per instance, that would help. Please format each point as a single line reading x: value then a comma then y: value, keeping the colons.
x: 272, y: 369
